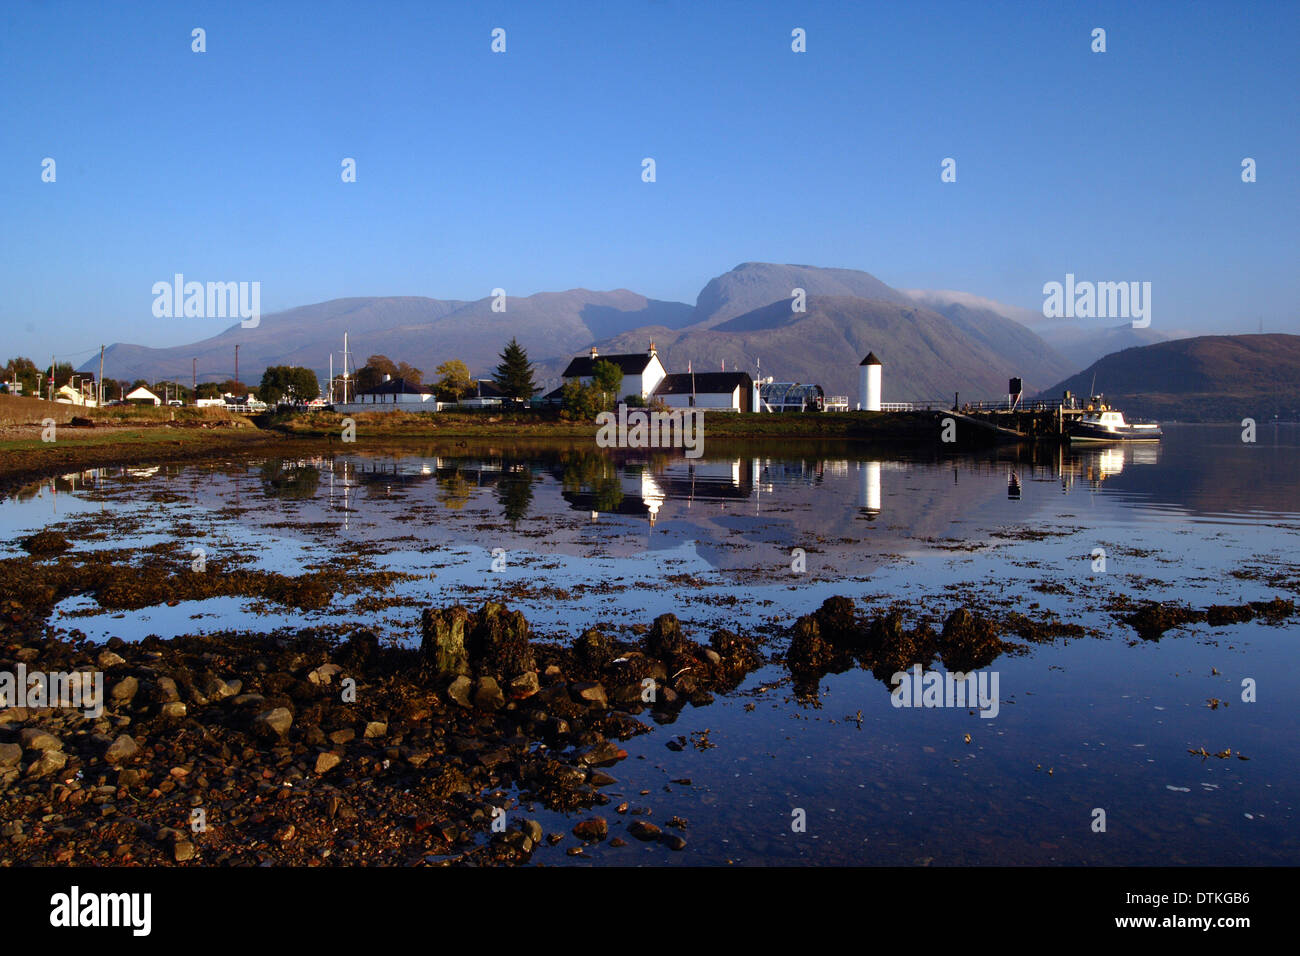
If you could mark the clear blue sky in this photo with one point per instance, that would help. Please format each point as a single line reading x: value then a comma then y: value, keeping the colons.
x: 523, y: 170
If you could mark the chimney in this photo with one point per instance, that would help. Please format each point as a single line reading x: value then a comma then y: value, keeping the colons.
x: 652, y: 346
x: 593, y: 351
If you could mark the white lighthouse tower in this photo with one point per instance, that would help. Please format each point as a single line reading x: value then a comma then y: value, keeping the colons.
x: 869, y: 383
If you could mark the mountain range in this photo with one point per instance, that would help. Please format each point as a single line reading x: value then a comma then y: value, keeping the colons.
x: 1206, y: 378
x: 932, y: 343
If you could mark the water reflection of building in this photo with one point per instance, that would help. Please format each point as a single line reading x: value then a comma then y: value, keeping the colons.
x: 869, y: 489
x: 638, y: 490
x: 642, y: 489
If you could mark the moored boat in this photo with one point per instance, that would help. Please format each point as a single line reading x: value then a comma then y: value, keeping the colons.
x: 1101, y: 423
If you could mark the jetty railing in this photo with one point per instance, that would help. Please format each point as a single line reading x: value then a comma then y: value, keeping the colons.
x: 943, y: 405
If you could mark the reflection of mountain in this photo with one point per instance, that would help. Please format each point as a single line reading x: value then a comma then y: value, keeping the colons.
x: 748, y: 513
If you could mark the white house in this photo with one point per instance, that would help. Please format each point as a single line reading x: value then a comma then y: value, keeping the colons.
x: 143, y: 396
x: 69, y: 395
x: 642, y: 371
x: 392, y: 395
x: 715, y: 391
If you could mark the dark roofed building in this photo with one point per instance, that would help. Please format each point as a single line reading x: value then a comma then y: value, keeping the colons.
x: 395, y: 393
x: 642, y: 371
x: 730, y: 391
x: 485, y: 394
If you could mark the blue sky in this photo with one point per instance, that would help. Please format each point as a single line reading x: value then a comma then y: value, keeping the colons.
x: 523, y: 170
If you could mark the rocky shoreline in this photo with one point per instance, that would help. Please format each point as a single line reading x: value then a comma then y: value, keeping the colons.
x: 323, y: 748
x: 309, y: 750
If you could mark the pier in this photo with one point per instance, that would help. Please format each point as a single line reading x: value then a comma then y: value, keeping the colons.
x: 1035, y: 420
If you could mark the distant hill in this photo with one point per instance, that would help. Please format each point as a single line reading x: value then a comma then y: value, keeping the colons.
x: 423, y: 332
x: 925, y: 354
x: 1207, y: 378
x: 743, y: 317
x: 752, y: 285
x: 1087, y: 343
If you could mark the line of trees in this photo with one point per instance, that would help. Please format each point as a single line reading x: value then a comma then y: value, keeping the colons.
x: 35, y: 380
x: 513, y: 376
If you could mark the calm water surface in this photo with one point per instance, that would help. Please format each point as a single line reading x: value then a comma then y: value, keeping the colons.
x: 1104, y: 721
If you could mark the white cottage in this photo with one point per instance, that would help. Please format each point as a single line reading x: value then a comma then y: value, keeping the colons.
x: 143, y: 396
x: 392, y: 395
x: 716, y: 391
x: 642, y: 371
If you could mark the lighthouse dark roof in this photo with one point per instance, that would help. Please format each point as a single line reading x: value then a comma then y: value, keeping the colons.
x: 870, y: 359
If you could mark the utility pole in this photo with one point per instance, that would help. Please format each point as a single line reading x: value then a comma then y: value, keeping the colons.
x: 99, y: 382
x: 236, y: 365
x: 194, y: 378
x: 51, y: 378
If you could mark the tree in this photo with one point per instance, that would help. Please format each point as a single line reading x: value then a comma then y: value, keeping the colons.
x: 599, y: 395
x: 410, y: 373
x: 578, y: 400
x: 24, y: 372
x: 454, y: 381
x: 303, y: 386
x: 209, y: 390
x: 372, y: 373
x: 289, y: 383
x: 514, y: 376
x: 62, y: 375
x: 607, y: 380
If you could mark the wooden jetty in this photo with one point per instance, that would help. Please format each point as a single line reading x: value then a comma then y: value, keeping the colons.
x: 1019, y: 421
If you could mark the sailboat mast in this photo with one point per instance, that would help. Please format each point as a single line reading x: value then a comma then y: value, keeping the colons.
x: 345, y: 368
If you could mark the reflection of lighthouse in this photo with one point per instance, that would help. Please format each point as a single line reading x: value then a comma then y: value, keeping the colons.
x: 869, y: 383
x: 869, y: 488
x: 652, y: 495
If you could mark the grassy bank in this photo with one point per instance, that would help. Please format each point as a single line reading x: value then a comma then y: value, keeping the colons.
x: 877, y: 426
x: 115, y: 436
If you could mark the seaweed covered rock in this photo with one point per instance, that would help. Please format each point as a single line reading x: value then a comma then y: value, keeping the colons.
x: 498, y: 643
x: 809, y: 652
x: 593, y: 650
x: 1278, y: 609
x: 968, y: 641
x: 442, y: 642
x: 45, y: 543
x: 838, y: 620
x: 1220, y: 615
x: 665, y: 639
x: 494, y: 642
x: 890, y: 647
x: 738, y: 654
x: 1153, y: 618
x: 828, y: 639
